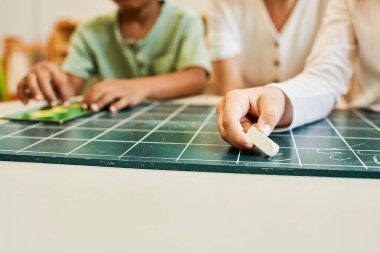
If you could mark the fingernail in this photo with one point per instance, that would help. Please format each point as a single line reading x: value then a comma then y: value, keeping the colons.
x: 66, y: 103
x: 266, y: 129
x: 54, y: 103
x: 84, y: 106
x: 95, y: 107
x: 113, y: 109
x: 39, y: 97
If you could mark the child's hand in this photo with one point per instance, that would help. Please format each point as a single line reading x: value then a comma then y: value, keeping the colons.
x: 46, y: 81
x: 240, y: 109
x: 118, y: 93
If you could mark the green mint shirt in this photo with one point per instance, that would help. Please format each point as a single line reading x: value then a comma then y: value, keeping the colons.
x: 175, y: 42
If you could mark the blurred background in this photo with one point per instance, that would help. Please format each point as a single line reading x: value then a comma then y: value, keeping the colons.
x: 33, y: 30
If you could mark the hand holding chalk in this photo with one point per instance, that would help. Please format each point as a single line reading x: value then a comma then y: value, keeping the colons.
x: 263, y: 142
x: 239, y: 110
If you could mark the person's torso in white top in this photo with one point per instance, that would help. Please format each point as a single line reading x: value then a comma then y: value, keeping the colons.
x: 245, y: 28
x: 365, y: 89
x: 346, y: 51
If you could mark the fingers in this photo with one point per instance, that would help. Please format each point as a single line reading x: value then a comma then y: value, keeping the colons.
x: 32, y: 85
x: 103, y: 101
x: 119, y: 105
x: 125, y: 101
x: 92, y: 96
x: 238, y: 108
x: 60, y: 80
x: 246, y: 123
x: 231, y: 110
x: 29, y: 88
x: 219, y: 110
x: 44, y: 81
x: 100, y: 96
x: 271, y: 105
x: 22, y: 92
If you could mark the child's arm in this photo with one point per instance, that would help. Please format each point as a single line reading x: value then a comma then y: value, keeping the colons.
x: 228, y: 75
x: 191, y: 70
x: 47, y: 81
x: 121, y: 93
x: 54, y: 83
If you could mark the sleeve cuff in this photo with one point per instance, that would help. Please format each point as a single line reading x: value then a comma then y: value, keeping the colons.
x: 219, y: 53
x: 78, y: 73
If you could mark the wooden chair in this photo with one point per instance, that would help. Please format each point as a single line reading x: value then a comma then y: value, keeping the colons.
x: 58, y: 43
x: 18, y: 58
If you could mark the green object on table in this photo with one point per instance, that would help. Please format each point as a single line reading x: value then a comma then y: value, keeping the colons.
x: 58, y: 114
x: 2, y: 81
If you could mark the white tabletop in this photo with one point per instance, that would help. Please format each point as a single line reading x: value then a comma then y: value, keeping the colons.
x: 61, y: 208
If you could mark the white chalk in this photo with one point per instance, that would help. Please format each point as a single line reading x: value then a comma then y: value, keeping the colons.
x: 261, y: 141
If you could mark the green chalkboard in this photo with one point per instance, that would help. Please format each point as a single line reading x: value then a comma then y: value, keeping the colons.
x: 184, y: 137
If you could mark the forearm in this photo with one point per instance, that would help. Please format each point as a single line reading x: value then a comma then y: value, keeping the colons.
x: 228, y: 75
x: 183, y: 83
x: 223, y: 85
x: 310, y: 99
x: 315, y: 92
